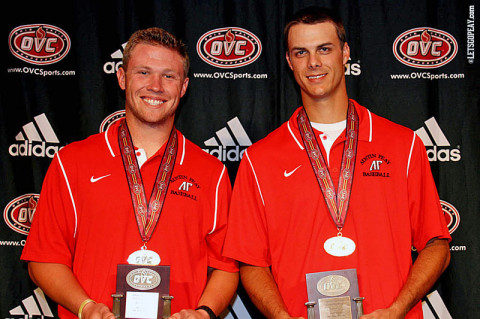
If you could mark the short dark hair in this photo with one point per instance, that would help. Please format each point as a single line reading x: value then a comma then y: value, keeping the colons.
x: 314, y: 15
x: 156, y: 36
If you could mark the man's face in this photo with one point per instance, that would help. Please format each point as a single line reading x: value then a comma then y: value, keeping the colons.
x: 317, y: 59
x: 154, y: 82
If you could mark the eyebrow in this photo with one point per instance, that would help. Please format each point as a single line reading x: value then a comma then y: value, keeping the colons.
x: 317, y: 47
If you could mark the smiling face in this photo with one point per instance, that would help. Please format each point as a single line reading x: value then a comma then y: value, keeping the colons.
x: 154, y: 82
x: 317, y: 59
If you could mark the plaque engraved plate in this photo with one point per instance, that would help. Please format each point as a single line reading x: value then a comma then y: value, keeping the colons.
x: 336, y: 307
x: 143, y: 289
x: 333, y: 293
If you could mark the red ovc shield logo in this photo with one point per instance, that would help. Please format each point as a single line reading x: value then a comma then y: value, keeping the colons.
x: 109, y: 120
x: 425, y: 48
x: 229, y: 47
x: 39, y: 44
x: 18, y: 214
x: 452, y: 217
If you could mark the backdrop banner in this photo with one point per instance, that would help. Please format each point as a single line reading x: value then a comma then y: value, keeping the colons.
x: 413, y: 62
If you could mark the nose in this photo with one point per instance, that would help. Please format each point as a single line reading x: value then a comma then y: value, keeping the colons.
x: 156, y: 83
x: 314, y: 61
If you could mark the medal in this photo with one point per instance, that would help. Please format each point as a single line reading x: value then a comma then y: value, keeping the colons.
x: 146, y: 215
x: 339, y: 246
x: 144, y: 257
x: 337, y: 200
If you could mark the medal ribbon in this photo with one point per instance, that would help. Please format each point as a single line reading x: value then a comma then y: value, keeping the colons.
x: 147, y: 216
x: 337, y: 202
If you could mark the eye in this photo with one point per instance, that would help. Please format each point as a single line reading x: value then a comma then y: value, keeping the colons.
x: 300, y: 53
x: 324, y: 49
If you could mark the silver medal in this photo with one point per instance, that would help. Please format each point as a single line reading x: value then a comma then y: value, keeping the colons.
x: 144, y: 257
x: 339, y: 246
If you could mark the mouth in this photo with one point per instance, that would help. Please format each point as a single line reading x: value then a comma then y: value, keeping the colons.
x: 317, y: 76
x: 153, y: 102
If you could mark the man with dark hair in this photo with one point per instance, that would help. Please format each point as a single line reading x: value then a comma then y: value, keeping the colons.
x: 288, y: 217
x: 95, y: 211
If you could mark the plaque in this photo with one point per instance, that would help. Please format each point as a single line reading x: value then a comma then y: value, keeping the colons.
x: 333, y: 294
x: 142, y: 292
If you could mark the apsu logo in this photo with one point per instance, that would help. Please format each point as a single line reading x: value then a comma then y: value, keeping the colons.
x: 39, y: 44
x: 18, y: 214
x: 229, y: 47
x: 425, y: 48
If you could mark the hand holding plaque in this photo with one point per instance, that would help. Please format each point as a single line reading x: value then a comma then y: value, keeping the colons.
x: 334, y: 294
x: 142, y: 292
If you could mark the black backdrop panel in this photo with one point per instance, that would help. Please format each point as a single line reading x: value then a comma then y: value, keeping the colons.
x: 414, y: 62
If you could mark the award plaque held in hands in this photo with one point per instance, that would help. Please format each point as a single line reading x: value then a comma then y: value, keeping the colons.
x: 334, y: 294
x: 142, y: 292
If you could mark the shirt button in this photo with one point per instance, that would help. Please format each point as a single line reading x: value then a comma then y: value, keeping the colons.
x: 335, y: 170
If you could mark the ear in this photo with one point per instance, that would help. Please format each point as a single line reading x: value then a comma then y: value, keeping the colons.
x: 184, y: 87
x: 121, y: 78
x: 287, y: 56
x: 346, y: 53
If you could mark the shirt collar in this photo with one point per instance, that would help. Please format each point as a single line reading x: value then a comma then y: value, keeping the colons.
x: 111, y: 140
x: 365, y: 126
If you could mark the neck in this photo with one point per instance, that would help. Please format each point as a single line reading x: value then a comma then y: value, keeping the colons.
x: 149, y: 137
x: 328, y: 110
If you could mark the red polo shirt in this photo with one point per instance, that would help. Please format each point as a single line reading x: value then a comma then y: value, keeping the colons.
x: 278, y: 216
x: 85, y: 218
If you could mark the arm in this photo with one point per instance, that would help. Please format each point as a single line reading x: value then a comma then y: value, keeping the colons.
x: 263, y: 291
x: 60, y: 284
x: 219, y: 291
x: 429, y: 265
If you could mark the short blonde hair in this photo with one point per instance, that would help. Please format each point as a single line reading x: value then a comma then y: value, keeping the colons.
x: 156, y: 36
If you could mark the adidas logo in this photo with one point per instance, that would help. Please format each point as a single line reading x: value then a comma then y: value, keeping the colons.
x: 438, y: 149
x: 35, y: 305
x: 434, y: 307
x: 230, y: 142
x: 35, y: 138
x: 111, y: 67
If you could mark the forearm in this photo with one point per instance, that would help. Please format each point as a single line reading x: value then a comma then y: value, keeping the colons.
x: 219, y: 291
x: 429, y: 265
x: 426, y: 270
x: 263, y: 291
x: 60, y: 284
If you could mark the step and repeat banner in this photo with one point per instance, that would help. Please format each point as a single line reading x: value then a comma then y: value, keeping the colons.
x: 413, y: 62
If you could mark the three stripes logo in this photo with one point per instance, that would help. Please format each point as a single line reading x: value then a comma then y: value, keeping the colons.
x: 34, y: 306
x: 434, y: 308
x: 437, y: 144
x: 230, y: 142
x: 111, y: 67
x: 36, y: 138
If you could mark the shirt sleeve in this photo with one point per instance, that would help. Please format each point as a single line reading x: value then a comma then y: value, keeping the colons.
x: 51, y: 237
x: 247, y: 238
x: 427, y: 220
x: 216, y: 237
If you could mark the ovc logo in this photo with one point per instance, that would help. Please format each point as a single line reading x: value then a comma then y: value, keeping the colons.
x: 425, y: 48
x: 229, y: 47
x: 18, y: 214
x: 39, y: 44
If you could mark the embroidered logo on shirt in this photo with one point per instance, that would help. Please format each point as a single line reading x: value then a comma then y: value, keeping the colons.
x: 185, y: 186
x: 376, y: 165
x: 96, y: 179
x: 288, y: 174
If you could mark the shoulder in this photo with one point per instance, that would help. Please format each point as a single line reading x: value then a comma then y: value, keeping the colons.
x: 379, y: 128
x: 276, y: 141
x: 192, y: 153
x: 86, y: 146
